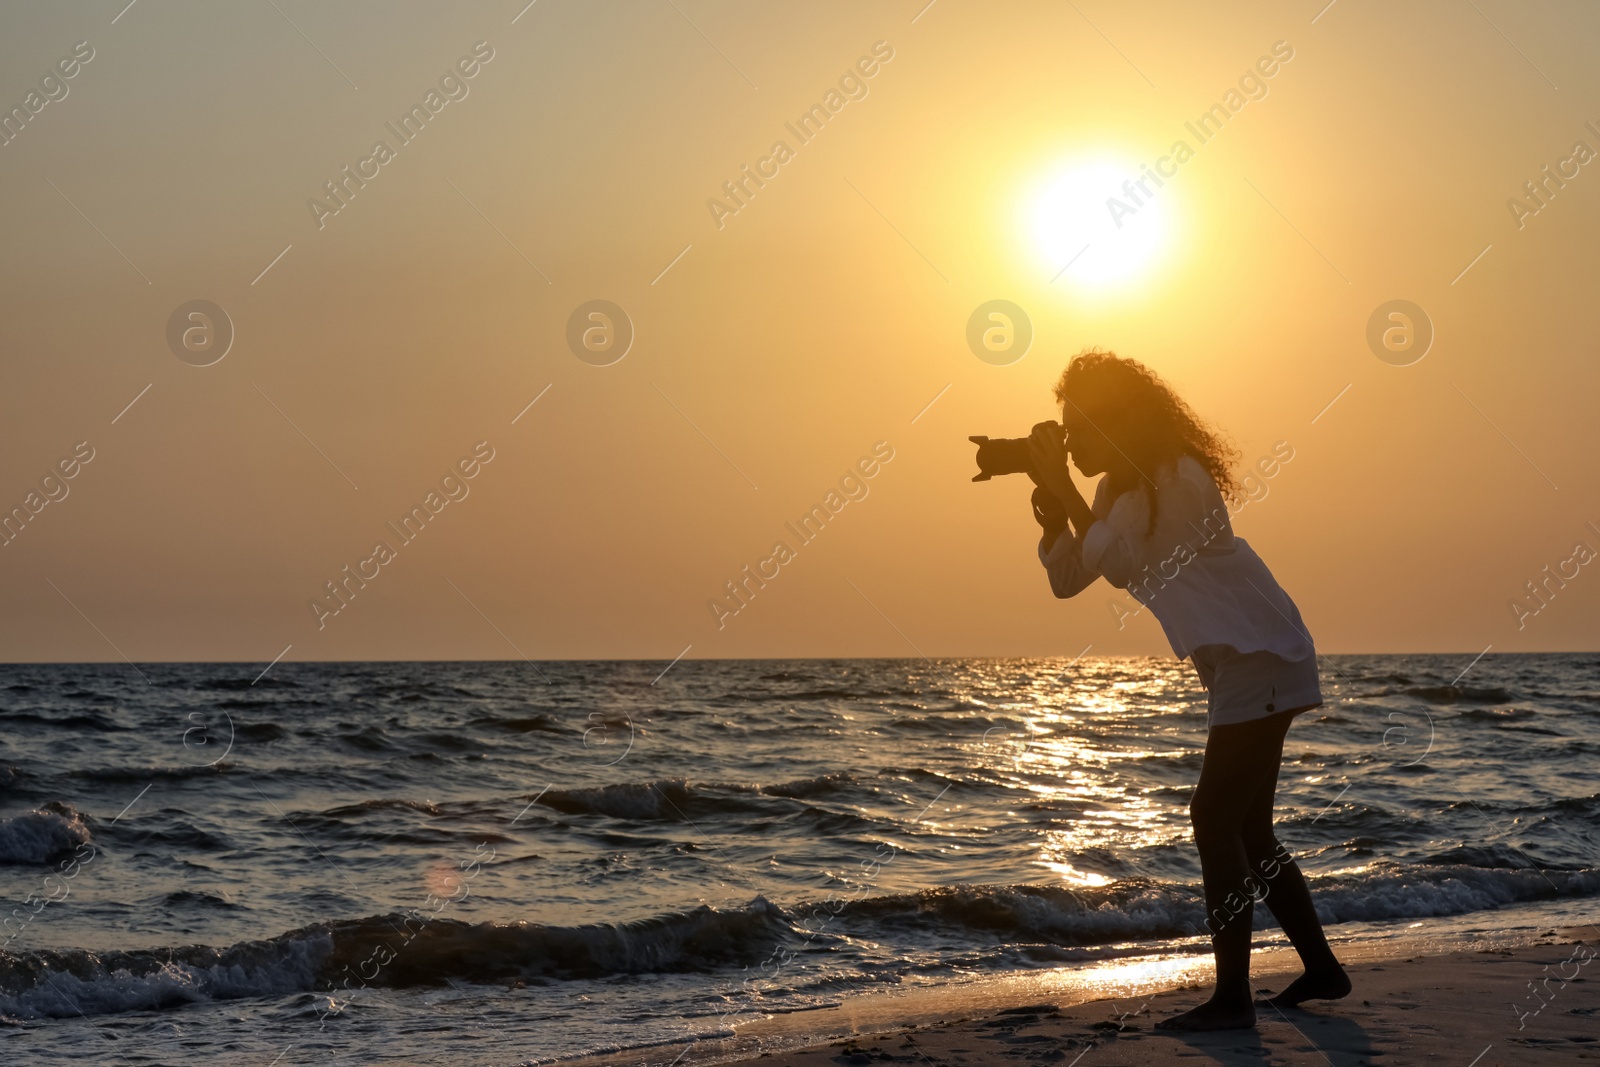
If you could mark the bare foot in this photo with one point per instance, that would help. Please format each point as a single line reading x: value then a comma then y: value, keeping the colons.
x: 1329, y: 983
x: 1213, y: 1015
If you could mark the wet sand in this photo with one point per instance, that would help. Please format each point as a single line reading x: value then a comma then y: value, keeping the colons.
x: 1478, y: 1007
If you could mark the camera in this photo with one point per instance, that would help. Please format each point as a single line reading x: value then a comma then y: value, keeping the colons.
x: 1005, y: 455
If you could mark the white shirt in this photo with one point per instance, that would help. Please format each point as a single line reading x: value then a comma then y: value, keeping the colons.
x: 1204, y: 585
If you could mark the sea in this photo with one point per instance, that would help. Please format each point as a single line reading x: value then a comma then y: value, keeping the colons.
x: 517, y: 862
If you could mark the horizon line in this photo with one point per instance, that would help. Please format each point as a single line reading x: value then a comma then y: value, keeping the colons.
x: 736, y: 659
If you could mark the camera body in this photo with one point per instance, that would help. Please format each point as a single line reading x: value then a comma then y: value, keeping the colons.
x: 1003, y: 455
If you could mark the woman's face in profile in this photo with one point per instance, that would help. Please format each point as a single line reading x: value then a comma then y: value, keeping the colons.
x: 1088, y: 448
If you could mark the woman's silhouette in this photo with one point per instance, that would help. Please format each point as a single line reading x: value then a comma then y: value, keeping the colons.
x: 1160, y: 528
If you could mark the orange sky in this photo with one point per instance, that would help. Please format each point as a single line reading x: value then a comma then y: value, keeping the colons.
x: 772, y: 352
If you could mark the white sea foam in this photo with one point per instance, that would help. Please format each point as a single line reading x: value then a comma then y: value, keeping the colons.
x: 41, y: 836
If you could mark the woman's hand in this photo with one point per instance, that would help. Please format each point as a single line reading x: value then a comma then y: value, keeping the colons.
x: 1046, y: 445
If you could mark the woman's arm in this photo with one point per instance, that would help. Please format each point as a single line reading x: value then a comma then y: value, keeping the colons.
x: 1060, y: 550
x: 1063, y: 563
x: 1111, y: 546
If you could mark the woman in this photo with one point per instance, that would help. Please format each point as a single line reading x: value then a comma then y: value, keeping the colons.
x: 1159, y: 527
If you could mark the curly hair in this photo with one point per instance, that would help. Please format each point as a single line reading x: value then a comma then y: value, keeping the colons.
x: 1145, y: 420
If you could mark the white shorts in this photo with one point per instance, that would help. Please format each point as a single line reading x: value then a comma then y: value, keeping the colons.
x: 1245, y: 686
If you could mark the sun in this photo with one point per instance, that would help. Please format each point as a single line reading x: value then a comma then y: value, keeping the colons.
x: 1095, y: 224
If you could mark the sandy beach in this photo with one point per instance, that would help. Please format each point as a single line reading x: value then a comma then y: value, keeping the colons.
x: 1477, y: 1007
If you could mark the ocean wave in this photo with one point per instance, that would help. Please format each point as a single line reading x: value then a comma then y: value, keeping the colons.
x: 1392, y: 892
x: 388, y: 951
x: 78, y: 721
x: 396, y: 821
x: 241, y: 683
x: 65, y: 983
x: 939, y: 721
x: 425, y: 807
x: 862, y: 694
x: 42, y: 835
x: 365, y: 739
x: 261, y: 732
x: 678, y: 798
x: 525, y: 724
x: 1586, y: 804
x: 1498, y: 715
x: 1136, y: 909
x: 1465, y: 694
x: 1141, y: 909
x: 199, y: 898
x: 1577, y: 698
x: 448, y: 742
x: 176, y: 772
x: 1487, y: 857
x: 821, y: 785
x: 416, y: 951
x: 661, y: 799
x: 269, y: 703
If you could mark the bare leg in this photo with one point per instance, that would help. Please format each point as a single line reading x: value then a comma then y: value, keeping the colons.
x: 1240, y: 768
x: 1289, y: 898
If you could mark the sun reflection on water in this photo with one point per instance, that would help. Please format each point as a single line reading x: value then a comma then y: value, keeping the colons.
x: 1075, y: 734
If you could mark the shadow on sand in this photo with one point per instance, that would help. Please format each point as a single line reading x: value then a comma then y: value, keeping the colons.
x: 1343, y: 1042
